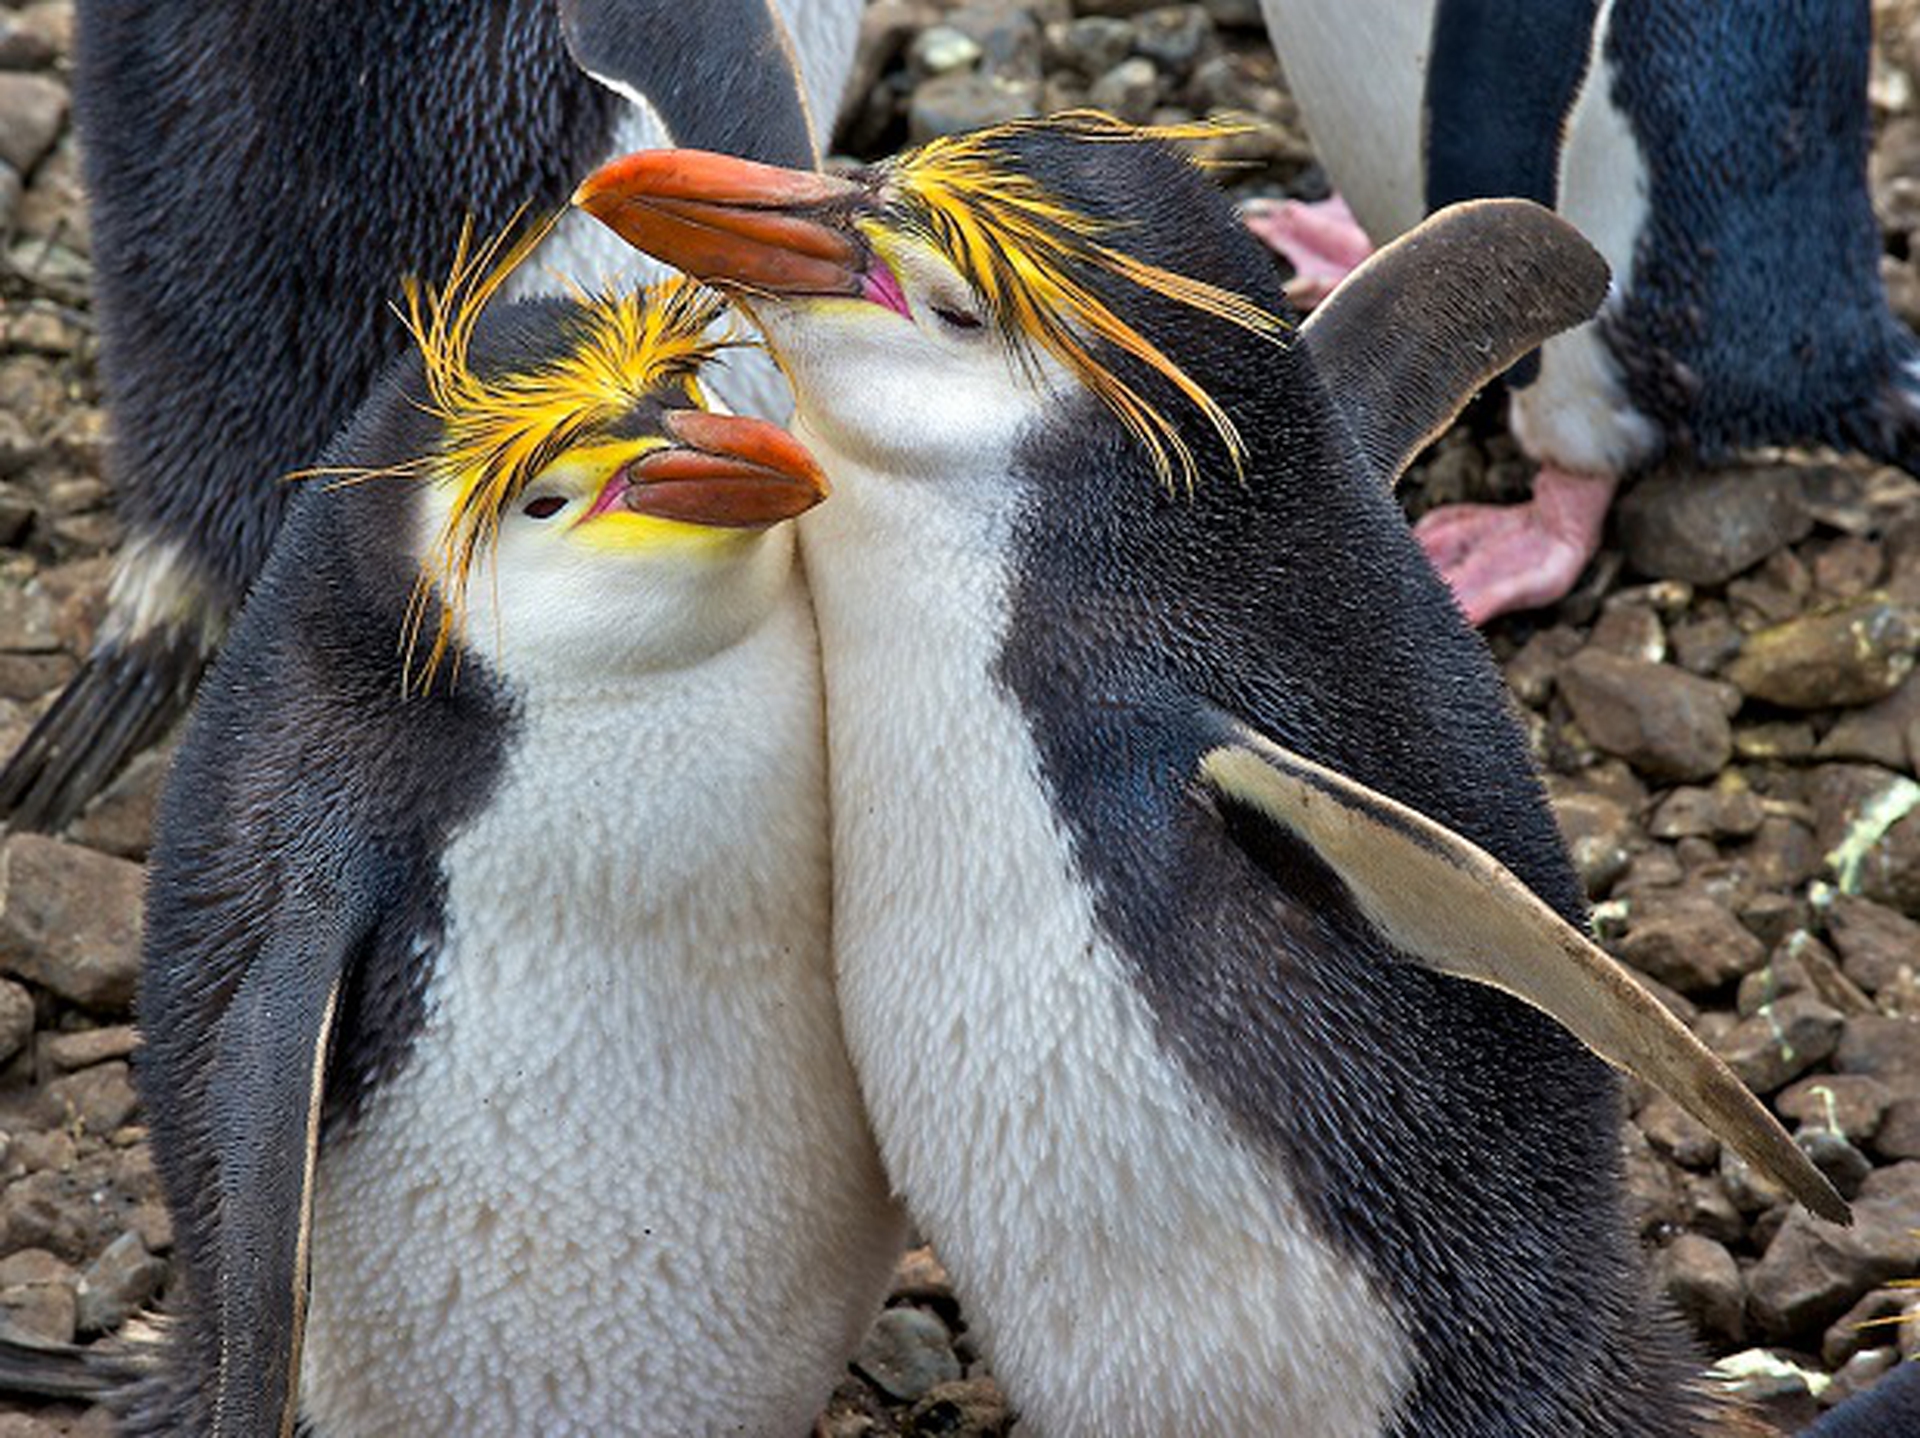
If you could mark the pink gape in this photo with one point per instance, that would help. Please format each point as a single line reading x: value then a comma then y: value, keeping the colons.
x: 1495, y: 558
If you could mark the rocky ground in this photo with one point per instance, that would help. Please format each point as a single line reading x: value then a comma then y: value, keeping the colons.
x: 1726, y: 711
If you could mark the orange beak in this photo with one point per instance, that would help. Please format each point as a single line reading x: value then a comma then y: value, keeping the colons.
x: 725, y: 471
x: 742, y: 225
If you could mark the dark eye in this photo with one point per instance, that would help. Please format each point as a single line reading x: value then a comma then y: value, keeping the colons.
x: 545, y: 507
x: 956, y: 319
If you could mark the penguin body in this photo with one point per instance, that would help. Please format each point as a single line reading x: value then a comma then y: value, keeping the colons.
x: 261, y: 176
x: 507, y: 1006
x: 1168, y: 1063
x: 1714, y: 154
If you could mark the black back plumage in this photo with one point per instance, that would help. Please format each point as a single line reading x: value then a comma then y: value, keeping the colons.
x: 1459, y: 1145
x: 262, y: 176
x: 1755, y: 313
x: 301, y: 831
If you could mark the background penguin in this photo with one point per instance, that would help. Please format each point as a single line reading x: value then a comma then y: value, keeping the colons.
x: 486, y: 951
x: 1715, y: 153
x: 1170, y: 790
x: 260, y: 176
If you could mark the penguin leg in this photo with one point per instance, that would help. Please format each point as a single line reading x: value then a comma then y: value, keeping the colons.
x: 1499, y: 558
x: 1320, y: 239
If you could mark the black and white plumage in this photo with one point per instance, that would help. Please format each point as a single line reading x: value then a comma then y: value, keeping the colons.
x: 499, y: 998
x: 1173, y: 800
x: 262, y: 176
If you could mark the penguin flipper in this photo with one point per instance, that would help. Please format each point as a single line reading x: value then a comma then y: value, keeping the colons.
x: 264, y: 1100
x: 126, y: 695
x: 1445, y: 902
x: 693, y: 64
x: 1412, y: 334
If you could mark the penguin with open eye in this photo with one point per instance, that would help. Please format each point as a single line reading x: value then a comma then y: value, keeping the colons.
x: 261, y: 173
x: 1174, y: 802
x: 1716, y: 155
x: 492, y: 1060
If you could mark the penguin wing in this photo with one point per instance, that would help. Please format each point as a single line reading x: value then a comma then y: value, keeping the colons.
x: 264, y: 1097
x: 1445, y: 902
x: 1409, y: 337
x: 723, y: 74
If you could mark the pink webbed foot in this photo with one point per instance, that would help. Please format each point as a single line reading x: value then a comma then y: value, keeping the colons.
x: 1498, y: 558
x: 1321, y: 240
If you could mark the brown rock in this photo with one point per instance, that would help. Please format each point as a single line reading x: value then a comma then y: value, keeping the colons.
x: 1884, y: 1048
x: 1885, y: 733
x: 101, y: 1099
x: 1688, y: 942
x: 1890, y: 869
x: 70, y: 920
x: 117, y: 1284
x: 1850, y: 1104
x: 1898, y: 1136
x: 1597, y: 832
x: 1706, y: 528
x: 971, y: 1408
x: 1875, y: 942
x: 16, y: 1019
x: 1678, y: 1134
x: 1868, y: 1323
x: 1853, y: 654
x: 1813, y: 1271
x: 1704, y: 1283
x: 1666, y: 722
x: 1781, y: 1042
x: 85, y: 1047
x: 32, y: 110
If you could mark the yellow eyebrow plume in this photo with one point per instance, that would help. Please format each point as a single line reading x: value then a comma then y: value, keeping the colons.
x: 1024, y: 251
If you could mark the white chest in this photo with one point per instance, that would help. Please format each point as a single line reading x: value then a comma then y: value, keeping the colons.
x: 1134, y: 1268
x: 623, y: 1183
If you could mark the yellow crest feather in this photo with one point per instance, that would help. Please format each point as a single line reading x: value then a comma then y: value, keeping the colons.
x: 1019, y: 246
x: 499, y: 432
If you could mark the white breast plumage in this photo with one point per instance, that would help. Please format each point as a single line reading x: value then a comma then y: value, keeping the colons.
x: 623, y: 1183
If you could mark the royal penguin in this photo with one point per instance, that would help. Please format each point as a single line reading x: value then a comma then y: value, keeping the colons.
x: 260, y: 177
x: 1174, y: 802
x: 491, y: 1056
x: 1714, y: 152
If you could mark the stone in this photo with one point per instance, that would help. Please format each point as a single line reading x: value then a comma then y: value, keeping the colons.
x: 27, y: 620
x: 908, y: 1352
x: 1812, y: 1272
x: 1728, y: 810
x: 1004, y: 35
x: 70, y: 920
x: 1849, y: 1104
x: 942, y: 49
x: 1129, y: 90
x: 1678, y: 1134
x: 21, y: 48
x: 1688, y: 942
x: 1772, y: 917
x: 83, y: 1048
x: 1705, y: 1209
x: 1890, y: 868
x: 16, y: 1019
x: 1598, y: 833
x: 1781, y: 1042
x: 1173, y: 37
x: 971, y: 1408
x: 1704, y: 1283
x: 1875, y: 942
x: 1706, y: 528
x: 1845, y: 1166
x: 1631, y: 630
x: 1870, y: 1321
x: 32, y: 110
x: 1885, y: 733
x: 919, y: 1278
x: 1701, y: 644
x: 100, y: 1099
x: 120, y: 821
x: 1094, y: 44
x: 1774, y: 593
x: 1884, y: 1048
x: 951, y: 104
x: 1855, y: 653
x: 75, y: 1212
x: 1667, y: 723
x: 1800, y: 965
x: 1848, y: 566
x: 1898, y: 1136
x: 117, y: 1284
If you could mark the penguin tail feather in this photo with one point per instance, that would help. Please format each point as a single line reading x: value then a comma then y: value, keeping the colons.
x: 41, y: 1368
x: 1887, y: 426
x: 127, y: 694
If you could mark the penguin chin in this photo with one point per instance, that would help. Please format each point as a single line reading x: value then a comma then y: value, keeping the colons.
x: 554, y: 611
x: 900, y: 395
